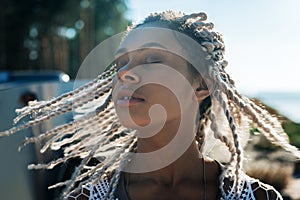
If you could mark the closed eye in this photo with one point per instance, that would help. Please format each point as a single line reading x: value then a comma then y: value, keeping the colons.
x: 153, y: 61
x: 153, y: 58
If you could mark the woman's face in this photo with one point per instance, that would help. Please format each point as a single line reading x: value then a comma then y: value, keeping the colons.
x: 148, y: 75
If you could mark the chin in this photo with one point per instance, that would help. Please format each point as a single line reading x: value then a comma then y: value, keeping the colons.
x: 133, y: 124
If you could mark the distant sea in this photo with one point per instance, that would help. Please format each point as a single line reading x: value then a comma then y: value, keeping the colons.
x: 288, y: 104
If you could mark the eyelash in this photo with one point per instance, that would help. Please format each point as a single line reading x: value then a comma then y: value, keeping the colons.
x: 152, y: 59
x: 120, y: 62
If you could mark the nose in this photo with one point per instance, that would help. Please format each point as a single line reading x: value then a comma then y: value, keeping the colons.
x: 128, y: 75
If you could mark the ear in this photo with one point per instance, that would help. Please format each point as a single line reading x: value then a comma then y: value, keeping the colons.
x: 201, y: 94
x: 202, y: 90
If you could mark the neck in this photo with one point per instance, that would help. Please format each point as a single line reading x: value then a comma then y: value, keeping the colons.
x: 179, y: 130
x: 160, y: 139
x: 174, y: 151
x: 188, y: 166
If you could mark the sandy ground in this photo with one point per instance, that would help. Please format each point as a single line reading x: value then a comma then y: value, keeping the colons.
x: 284, y: 162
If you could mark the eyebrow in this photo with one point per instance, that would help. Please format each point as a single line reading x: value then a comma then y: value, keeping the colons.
x: 147, y: 45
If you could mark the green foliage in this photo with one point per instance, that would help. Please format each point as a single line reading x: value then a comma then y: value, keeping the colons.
x: 293, y: 130
x: 290, y: 127
x: 56, y: 34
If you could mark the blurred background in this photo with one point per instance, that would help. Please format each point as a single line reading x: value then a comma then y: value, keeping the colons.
x: 55, y: 35
x: 44, y: 42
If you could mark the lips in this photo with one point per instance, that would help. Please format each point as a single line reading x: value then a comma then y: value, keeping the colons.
x: 127, y: 98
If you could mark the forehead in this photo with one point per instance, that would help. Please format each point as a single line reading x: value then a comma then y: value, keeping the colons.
x: 164, y: 38
x: 154, y: 37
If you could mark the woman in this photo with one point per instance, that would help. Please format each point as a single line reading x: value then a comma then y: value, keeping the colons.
x: 165, y: 93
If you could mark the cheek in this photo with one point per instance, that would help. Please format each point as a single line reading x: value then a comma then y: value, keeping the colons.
x: 168, y: 100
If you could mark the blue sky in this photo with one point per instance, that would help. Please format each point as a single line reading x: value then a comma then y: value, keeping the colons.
x: 262, y: 38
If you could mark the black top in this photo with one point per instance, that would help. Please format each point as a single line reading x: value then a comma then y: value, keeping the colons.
x: 121, y: 192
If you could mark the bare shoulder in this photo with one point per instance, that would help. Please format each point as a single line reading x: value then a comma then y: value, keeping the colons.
x: 264, y: 191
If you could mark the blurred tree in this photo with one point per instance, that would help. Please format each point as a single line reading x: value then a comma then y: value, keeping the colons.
x: 55, y: 34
